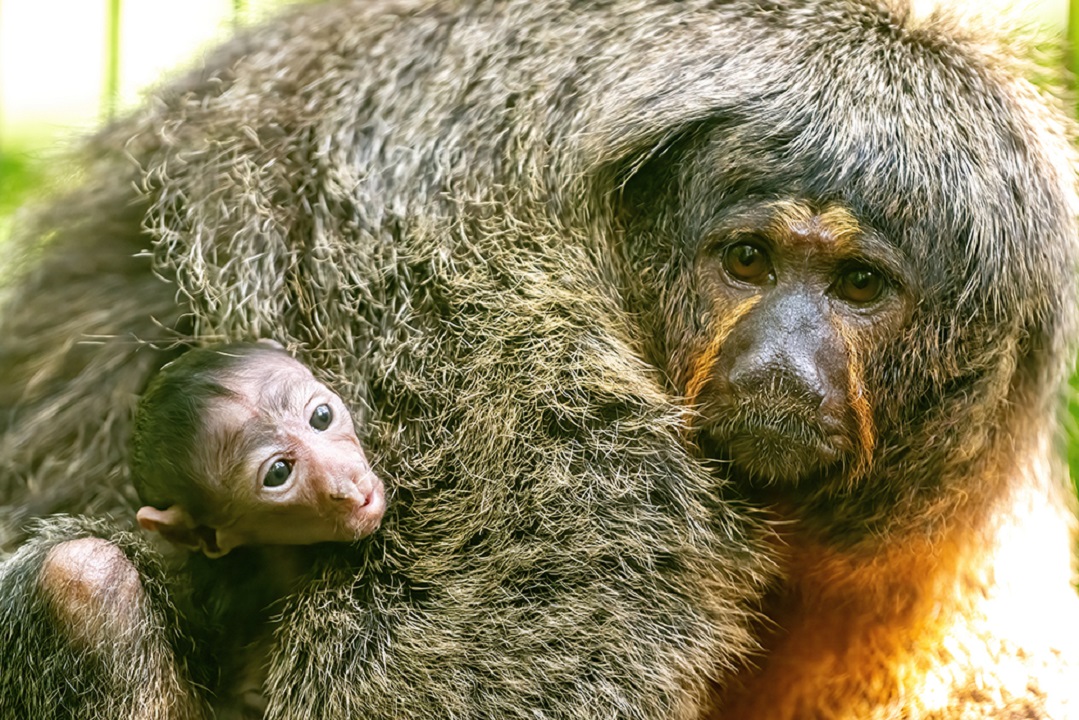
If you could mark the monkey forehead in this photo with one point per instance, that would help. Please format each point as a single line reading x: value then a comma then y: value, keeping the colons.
x: 275, y: 385
x: 264, y: 406
x: 265, y: 368
x: 980, y: 208
x: 830, y: 231
x: 233, y: 427
x: 269, y: 394
x: 833, y: 226
x: 961, y: 165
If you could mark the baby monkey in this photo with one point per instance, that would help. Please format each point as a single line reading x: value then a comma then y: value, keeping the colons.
x: 239, y: 444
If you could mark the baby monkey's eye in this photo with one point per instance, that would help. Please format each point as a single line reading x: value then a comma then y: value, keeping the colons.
x: 322, y: 417
x: 278, y: 474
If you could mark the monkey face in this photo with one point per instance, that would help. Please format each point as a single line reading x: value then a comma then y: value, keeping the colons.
x: 844, y: 300
x: 290, y: 467
x: 801, y: 296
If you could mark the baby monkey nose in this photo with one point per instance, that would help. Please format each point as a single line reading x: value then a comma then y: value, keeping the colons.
x: 348, y: 491
x: 358, y: 487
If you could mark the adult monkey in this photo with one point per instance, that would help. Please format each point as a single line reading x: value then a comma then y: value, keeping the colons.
x: 519, y: 234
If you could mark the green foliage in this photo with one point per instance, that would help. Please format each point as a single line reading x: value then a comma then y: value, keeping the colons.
x: 1072, y: 428
x: 19, y: 176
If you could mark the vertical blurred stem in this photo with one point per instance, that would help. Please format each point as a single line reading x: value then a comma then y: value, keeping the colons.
x: 1073, y: 36
x: 1, y: 94
x: 1071, y: 59
x: 112, y: 60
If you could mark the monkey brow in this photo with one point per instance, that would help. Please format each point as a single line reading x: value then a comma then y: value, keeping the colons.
x: 283, y: 399
x: 237, y: 445
x: 751, y: 214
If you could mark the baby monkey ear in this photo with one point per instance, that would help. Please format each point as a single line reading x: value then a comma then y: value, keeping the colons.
x: 177, y: 526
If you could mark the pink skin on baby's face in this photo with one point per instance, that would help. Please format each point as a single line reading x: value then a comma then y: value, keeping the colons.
x: 293, y: 470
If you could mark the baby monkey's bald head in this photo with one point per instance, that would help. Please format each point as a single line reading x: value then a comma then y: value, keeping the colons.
x: 239, y: 444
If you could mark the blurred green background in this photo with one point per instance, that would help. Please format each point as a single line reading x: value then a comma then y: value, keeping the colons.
x: 68, y: 65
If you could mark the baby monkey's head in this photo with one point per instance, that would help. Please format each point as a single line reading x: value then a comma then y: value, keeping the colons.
x: 239, y: 444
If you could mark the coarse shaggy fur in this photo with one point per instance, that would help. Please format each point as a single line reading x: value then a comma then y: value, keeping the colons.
x: 106, y: 670
x: 479, y: 221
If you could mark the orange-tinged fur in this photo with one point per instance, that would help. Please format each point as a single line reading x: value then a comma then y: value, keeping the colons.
x: 859, y: 401
x: 702, y: 363
x: 958, y: 624
x: 832, y: 229
x: 848, y: 629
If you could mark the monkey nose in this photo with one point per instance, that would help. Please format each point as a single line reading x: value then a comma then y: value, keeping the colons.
x: 354, y: 494
x: 356, y: 489
x: 778, y: 380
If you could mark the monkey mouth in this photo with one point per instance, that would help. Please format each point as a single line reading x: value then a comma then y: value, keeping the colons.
x: 776, y: 450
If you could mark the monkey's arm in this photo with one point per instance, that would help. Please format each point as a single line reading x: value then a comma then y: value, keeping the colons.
x: 87, y: 630
x: 550, y: 549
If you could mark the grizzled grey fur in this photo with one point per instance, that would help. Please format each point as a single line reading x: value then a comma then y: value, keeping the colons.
x: 437, y: 205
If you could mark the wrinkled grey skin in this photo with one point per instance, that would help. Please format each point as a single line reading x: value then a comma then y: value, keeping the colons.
x: 424, y: 201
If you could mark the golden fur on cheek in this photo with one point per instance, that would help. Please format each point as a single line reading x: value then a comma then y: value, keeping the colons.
x: 703, y: 363
x: 859, y: 401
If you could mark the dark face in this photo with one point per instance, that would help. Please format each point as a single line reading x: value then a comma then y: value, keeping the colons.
x: 801, y: 296
x: 292, y: 470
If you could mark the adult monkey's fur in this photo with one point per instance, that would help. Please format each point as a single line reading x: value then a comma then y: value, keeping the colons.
x: 484, y: 223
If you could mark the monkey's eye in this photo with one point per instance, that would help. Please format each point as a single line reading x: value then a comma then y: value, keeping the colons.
x: 860, y: 285
x: 321, y: 417
x: 748, y: 263
x: 278, y: 474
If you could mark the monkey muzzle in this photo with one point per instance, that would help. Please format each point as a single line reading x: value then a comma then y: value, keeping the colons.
x: 777, y: 404
x: 776, y: 434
